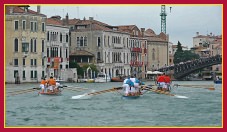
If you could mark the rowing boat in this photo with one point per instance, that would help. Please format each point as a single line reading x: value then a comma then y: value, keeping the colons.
x: 50, y: 93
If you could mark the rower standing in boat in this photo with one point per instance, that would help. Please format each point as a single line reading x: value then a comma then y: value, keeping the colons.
x: 135, y: 89
x: 43, y: 84
x: 127, y: 86
x: 161, y: 81
x: 52, y: 84
x: 166, y: 86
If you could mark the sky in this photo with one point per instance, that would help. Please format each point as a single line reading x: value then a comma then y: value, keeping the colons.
x: 182, y: 21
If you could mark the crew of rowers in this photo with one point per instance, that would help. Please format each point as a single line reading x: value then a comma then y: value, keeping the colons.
x: 49, y: 85
x: 131, y: 86
x: 163, y: 82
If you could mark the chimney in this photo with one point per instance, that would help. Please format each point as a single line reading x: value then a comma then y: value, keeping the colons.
x: 142, y: 31
x: 10, y: 10
x: 67, y: 19
x: 197, y: 33
x: 38, y: 9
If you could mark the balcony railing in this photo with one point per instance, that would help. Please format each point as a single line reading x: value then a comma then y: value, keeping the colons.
x: 136, y: 63
x: 136, y: 50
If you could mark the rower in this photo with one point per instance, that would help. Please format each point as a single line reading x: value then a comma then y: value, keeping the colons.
x: 127, y: 84
x: 136, y: 85
x: 161, y: 81
x: 43, y: 84
x: 52, y: 84
x: 167, y: 83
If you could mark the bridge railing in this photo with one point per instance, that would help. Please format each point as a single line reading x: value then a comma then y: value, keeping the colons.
x: 183, y: 69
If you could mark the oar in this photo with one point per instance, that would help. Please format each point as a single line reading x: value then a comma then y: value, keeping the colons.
x: 105, y: 91
x: 210, y: 87
x: 23, y: 92
x: 74, y: 89
x: 192, y: 85
x: 95, y: 93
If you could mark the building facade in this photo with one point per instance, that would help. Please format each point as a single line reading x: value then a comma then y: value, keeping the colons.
x: 158, y: 50
x: 101, y: 44
x: 57, y: 48
x: 25, y: 32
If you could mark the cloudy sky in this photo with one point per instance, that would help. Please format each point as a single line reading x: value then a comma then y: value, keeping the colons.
x: 182, y: 21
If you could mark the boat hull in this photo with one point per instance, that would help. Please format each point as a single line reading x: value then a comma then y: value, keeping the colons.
x: 218, y: 81
x: 115, y: 79
x: 130, y: 97
x: 50, y: 93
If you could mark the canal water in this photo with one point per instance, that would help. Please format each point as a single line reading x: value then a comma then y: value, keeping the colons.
x: 191, y: 107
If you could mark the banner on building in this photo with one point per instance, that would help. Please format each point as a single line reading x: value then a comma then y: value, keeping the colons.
x: 56, y: 62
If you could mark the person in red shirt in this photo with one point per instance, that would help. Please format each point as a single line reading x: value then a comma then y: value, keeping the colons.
x: 167, y: 83
x: 160, y: 81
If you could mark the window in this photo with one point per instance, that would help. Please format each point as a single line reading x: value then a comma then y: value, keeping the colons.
x: 35, y: 74
x: 15, y: 62
x: 78, y: 41
x: 60, y: 51
x: 99, y: 42
x: 25, y: 47
x: 43, y: 27
x: 47, y: 52
x: 85, y: 41
x: 66, y: 53
x: 31, y: 46
x: 67, y: 38
x: 31, y: 62
x: 35, y: 62
x: 16, y: 45
x: 60, y: 37
x: 24, y: 74
x: 35, y: 26
x: 42, y: 73
x: 24, y: 62
x: 31, y: 75
x: 31, y: 26
x: 35, y: 45
x: 16, y: 74
x: 48, y: 36
x: 16, y: 25
x: 23, y: 25
x: 43, y: 46
x: 81, y: 41
x: 98, y: 56
x: 42, y: 62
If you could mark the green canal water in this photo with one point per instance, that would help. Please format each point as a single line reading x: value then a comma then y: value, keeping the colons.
x: 199, y: 107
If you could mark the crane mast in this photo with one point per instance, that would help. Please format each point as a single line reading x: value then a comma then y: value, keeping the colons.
x: 163, y: 18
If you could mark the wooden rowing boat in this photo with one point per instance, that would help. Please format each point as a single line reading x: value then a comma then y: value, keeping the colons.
x: 50, y: 93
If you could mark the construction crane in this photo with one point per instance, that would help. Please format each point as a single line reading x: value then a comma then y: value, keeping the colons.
x: 163, y: 18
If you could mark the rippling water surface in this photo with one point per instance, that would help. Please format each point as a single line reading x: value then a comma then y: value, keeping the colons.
x: 197, y: 107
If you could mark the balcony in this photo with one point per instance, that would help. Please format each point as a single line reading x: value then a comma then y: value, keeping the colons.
x: 118, y: 46
x: 136, y: 50
x: 136, y: 63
